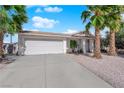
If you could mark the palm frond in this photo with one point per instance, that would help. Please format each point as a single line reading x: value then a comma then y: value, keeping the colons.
x: 85, y: 15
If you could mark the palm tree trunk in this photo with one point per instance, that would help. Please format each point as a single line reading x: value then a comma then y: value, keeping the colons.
x: 112, y: 48
x: 97, y: 52
x: 1, y: 44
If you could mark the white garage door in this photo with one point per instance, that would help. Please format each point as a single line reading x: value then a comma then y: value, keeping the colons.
x: 44, y: 47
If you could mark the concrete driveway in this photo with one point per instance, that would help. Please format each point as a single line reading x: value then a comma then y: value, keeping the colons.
x: 48, y: 71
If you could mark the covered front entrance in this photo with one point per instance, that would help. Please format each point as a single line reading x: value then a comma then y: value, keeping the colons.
x: 82, y: 45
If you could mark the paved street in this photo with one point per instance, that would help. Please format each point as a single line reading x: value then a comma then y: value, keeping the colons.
x: 48, y: 71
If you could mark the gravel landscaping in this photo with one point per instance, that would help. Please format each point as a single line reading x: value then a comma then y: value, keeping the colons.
x: 109, y: 68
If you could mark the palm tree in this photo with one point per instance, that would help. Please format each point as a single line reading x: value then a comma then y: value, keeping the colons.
x: 95, y: 17
x: 11, y: 20
x: 113, y: 22
x: 114, y: 27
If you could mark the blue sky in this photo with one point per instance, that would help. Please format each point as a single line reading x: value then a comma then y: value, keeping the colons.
x: 53, y: 18
x: 63, y: 17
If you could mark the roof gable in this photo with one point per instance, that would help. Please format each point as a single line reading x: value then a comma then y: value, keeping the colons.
x: 83, y: 34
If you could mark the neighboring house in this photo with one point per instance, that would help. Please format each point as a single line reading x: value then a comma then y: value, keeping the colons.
x: 14, y: 48
x: 35, y: 43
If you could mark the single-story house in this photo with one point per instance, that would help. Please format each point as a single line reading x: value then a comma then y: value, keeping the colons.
x: 35, y: 43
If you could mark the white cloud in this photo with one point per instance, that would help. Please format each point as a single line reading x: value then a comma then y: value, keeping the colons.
x: 38, y: 10
x: 25, y: 29
x: 34, y: 30
x: 40, y: 22
x: 70, y: 31
x: 53, y: 9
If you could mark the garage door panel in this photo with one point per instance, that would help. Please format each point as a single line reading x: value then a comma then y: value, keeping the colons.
x: 43, y: 47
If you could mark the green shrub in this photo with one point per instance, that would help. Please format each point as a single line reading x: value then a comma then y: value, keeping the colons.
x: 73, y: 44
